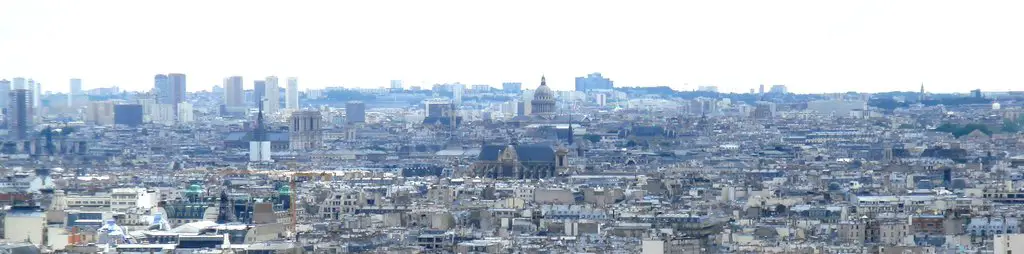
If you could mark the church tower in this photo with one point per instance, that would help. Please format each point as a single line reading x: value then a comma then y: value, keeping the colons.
x: 561, y: 160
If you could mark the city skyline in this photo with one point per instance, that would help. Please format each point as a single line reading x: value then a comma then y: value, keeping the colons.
x: 868, y: 46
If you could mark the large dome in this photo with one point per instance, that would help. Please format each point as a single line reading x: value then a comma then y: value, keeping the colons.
x: 543, y: 92
x: 543, y: 103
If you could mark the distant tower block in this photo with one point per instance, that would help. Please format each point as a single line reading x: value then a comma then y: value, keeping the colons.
x: 305, y: 130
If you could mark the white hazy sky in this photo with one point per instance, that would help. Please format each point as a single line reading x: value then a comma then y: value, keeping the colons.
x: 811, y: 46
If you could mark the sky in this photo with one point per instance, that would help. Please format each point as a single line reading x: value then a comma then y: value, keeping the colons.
x: 809, y: 46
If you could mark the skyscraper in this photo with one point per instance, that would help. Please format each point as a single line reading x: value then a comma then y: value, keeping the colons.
x: 20, y: 113
x: 162, y: 89
x: 355, y: 112
x: 259, y: 91
x: 593, y: 81
x: 458, y: 90
x: 233, y: 92
x: 5, y: 90
x: 19, y: 83
x: 272, y: 95
x: 37, y: 92
x: 292, y: 94
x: 176, y: 84
x: 75, y: 91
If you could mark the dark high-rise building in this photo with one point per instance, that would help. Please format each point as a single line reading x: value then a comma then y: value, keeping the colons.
x: 976, y: 93
x: 170, y: 89
x: 259, y: 91
x: 947, y: 176
x: 593, y: 81
x: 19, y: 113
x: 355, y: 112
x: 128, y: 114
x: 177, y: 85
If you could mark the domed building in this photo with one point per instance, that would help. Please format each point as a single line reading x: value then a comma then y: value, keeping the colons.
x: 543, y: 103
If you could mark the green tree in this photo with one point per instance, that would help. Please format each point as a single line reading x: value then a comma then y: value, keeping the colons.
x: 1011, y: 126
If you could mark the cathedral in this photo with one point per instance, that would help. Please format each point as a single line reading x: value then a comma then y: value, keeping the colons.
x: 519, y: 162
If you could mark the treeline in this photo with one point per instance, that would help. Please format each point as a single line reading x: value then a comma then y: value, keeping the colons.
x: 959, y: 131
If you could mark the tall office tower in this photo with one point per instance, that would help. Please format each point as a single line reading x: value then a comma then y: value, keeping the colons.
x: 396, y: 85
x: 355, y: 112
x: 37, y: 92
x: 259, y: 146
x: 5, y: 90
x: 291, y: 98
x: 593, y: 81
x: 75, y: 91
x: 176, y: 83
x: 19, y: 113
x: 512, y: 87
x: 458, y: 90
x: 760, y: 91
x: 233, y: 96
x: 19, y: 83
x: 272, y: 95
x: 305, y: 130
x: 259, y: 92
x: 162, y: 89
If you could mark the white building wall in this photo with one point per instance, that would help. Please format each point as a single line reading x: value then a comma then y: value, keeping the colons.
x: 1009, y: 243
x: 24, y: 228
x: 272, y: 95
x: 292, y: 94
x: 652, y: 247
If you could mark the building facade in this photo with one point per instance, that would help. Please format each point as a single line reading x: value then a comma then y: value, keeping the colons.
x: 292, y: 94
x: 20, y: 114
x: 233, y: 92
x: 355, y: 112
x: 306, y: 133
x: 593, y: 81
x: 543, y: 103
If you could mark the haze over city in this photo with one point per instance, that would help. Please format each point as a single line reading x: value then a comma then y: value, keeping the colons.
x: 810, y: 46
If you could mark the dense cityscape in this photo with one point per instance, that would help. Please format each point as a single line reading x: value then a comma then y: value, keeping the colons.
x: 518, y: 167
